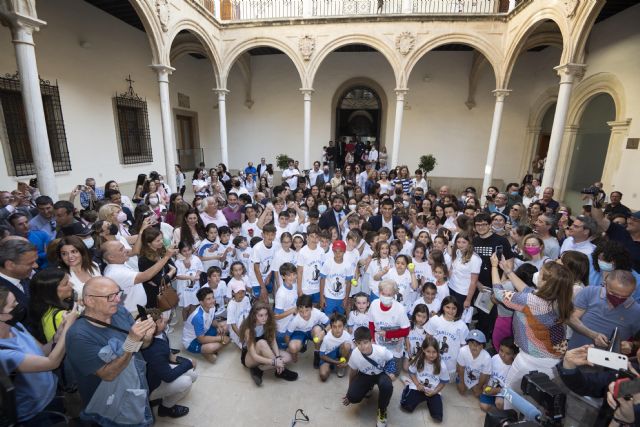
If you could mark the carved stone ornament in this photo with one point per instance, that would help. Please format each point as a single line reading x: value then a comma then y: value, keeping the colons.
x: 307, y: 44
x: 162, y: 8
x: 570, y: 7
x: 405, y: 42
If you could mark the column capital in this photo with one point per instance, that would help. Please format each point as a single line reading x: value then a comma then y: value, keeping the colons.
x: 164, y: 71
x: 221, y: 92
x: 500, y: 94
x: 307, y: 91
x: 20, y: 15
x: 401, y: 92
x: 619, y: 126
x: 569, y: 72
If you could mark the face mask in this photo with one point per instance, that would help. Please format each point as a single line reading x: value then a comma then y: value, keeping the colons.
x: 153, y: 201
x: 535, y: 278
x: 18, y: 315
x: 232, y: 205
x: 386, y: 301
x: 615, y: 300
x: 405, y: 204
x: 353, y: 207
x: 322, y: 208
x: 113, y: 229
x: 605, y: 266
x: 497, y: 229
x: 532, y: 250
x: 88, y: 242
x: 514, y: 193
x: 122, y: 217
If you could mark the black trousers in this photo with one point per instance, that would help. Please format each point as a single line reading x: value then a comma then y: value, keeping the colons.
x: 412, y: 398
x: 361, y: 384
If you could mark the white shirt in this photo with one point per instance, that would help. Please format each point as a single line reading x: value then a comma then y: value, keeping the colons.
x: 416, y: 336
x: 434, y: 307
x: 422, y: 184
x: 285, y: 300
x: 299, y: 324
x: 570, y: 244
x: 331, y: 343
x: 77, y: 284
x: 219, y: 220
x: 282, y: 257
x: 473, y: 368
x: 250, y: 230
x: 379, y: 355
x: 357, y: 319
x: 198, y: 319
x: 263, y: 256
x: 460, y: 279
x: 337, y: 278
x: 450, y: 336
x: 499, y: 372
x: 237, y: 311
x: 427, y: 377
x: 313, y: 175
x: 375, y: 266
x: 311, y: 261
x: 125, y: 276
x: 392, y: 319
x: 406, y: 294
x: 291, y: 176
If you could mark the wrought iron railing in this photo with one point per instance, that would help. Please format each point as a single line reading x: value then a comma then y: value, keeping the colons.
x: 355, y: 7
x: 455, y: 6
x: 242, y: 10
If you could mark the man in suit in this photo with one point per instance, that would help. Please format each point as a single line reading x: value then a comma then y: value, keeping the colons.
x: 17, y: 260
x: 262, y: 167
x: 169, y: 376
x: 324, y: 178
x: 385, y: 218
x: 332, y: 217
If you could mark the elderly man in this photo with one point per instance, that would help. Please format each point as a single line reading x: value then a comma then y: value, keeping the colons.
x: 210, y: 213
x: 550, y: 205
x: 17, y: 261
x: 10, y: 203
x: 45, y: 220
x: 39, y: 239
x: 130, y: 280
x: 101, y: 346
x: 442, y: 193
x: 615, y: 206
x: 543, y: 226
x: 90, y: 194
x: 499, y: 204
x: 599, y: 310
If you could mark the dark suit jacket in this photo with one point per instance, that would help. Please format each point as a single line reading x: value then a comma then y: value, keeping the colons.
x: 22, y: 297
x: 320, y: 182
x: 376, y: 222
x: 259, y: 169
x: 328, y: 219
x: 158, y: 365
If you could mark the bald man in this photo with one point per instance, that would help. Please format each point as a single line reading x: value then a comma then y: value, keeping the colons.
x: 105, y: 321
x: 129, y: 279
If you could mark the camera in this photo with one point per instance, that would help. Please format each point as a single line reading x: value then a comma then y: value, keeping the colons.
x: 546, y: 393
x: 593, y: 190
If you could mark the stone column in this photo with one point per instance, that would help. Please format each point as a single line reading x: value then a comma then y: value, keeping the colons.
x: 168, y: 136
x: 306, y: 93
x: 397, y: 129
x: 22, y: 29
x: 568, y: 74
x: 222, y: 111
x: 500, y: 95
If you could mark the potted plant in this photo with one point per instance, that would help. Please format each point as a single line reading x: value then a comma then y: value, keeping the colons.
x: 282, y: 160
x: 427, y: 163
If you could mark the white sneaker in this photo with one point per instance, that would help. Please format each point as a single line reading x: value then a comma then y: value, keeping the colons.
x: 381, y: 420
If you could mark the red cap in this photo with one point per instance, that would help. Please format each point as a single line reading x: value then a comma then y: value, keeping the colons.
x: 339, y: 244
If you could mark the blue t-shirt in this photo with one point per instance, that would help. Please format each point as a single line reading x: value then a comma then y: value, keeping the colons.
x: 600, y: 317
x: 84, y: 341
x: 34, y: 390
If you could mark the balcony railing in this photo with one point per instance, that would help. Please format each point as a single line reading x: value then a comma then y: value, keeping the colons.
x: 265, y: 9
x: 455, y: 6
x: 355, y: 7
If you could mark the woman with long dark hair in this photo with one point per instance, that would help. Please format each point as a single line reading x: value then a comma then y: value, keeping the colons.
x: 191, y: 229
x: 151, y: 251
x: 74, y: 259
x: 51, y: 297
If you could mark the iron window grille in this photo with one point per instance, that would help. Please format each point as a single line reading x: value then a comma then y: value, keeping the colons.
x: 133, y: 127
x: 12, y: 110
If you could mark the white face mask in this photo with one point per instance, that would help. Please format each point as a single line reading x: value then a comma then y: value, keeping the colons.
x: 121, y: 217
x: 153, y: 201
x: 353, y: 207
x: 386, y: 301
x: 322, y: 208
x: 405, y: 204
x: 88, y: 242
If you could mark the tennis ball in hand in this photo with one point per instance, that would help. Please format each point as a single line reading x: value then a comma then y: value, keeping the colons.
x: 316, y: 340
x: 343, y: 360
x: 411, y: 266
x: 354, y: 282
x: 487, y: 389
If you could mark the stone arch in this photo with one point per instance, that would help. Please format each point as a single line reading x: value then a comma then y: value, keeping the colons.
x: 485, y: 48
x: 387, y: 52
x: 232, y: 56
x: 361, y: 81
x: 520, y: 40
x: 594, y: 85
x: 151, y: 27
x: 583, y: 24
x: 537, y: 113
x: 207, y: 45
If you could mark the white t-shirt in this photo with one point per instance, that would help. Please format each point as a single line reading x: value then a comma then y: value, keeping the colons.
x: 392, y: 319
x: 331, y: 343
x: 291, y: 176
x: 434, y: 307
x: 450, y: 336
x: 186, y: 293
x: 427, y: 377
x: 263, y: 256
x: 225, y: 263
x: 207, y: 248
x: 375, y: 266
x: 423, y: 272
x: 219, y: 293
x: 461, y: 273
x: 442, y: 291
x: 406, y: 294
x: 299, y: 324
x: 125, y: 276
x: 416, y: 336
x: 285, y: 300
x: 311, y: 261
x: 337, y: 278
x: 244, y: 256
x: 236, y: 313
x: 250, y: 230
x: 196, y: 325
x: 499, y: 371
x: 282, y: 257
x: 77, y: 284
x: 379, y: 355
x: 473, y: 368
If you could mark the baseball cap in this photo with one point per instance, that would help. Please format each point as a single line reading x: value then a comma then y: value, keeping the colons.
x: 635, y: 215
x: 339, y: 244
x: 476, y: 335
x: 238, y: 286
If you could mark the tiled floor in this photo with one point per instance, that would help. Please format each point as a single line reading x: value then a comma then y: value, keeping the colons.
x: 225, y: 395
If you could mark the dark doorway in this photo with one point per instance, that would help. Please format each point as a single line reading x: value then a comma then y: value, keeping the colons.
x: 358, y: 114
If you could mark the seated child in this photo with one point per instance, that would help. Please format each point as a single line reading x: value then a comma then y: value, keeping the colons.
x: 307, y: 324
x: 335, y: 348
x: 500, y: 365
x: 219, y: 289
x: 474, y: 364
x: 285, y: 305
x: 200, y: 333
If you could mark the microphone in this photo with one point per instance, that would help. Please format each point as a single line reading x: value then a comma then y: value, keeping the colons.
x: 522, y: 405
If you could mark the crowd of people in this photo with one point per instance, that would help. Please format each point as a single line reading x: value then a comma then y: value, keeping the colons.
x: 383, y: 278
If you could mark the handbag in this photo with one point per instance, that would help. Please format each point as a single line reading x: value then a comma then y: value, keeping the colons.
x: 167, y: 296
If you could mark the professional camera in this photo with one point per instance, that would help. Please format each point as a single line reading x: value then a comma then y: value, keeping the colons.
x: 593, y: 190
x: 546, y: 393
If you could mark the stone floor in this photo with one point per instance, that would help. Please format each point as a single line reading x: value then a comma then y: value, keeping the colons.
x: 225, y: 395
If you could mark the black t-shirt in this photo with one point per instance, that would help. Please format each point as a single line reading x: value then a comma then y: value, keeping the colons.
x: 618, y: 209
x: 618, y: 233
x: 485, y: 247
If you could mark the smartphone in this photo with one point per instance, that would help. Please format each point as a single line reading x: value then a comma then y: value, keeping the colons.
x: 499, y: 251
x: 142, y: 312
x: 626, y: 388
x: 608, y: 359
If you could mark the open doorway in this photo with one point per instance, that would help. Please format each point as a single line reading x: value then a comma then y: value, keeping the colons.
x: 358, y: 116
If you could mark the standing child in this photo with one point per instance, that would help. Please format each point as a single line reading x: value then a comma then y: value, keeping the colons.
x: 379, y: 266
x: 500, y: 365
x: 441, y: 272
x: 225, y: 252
x: 422, y: 267
x: 367, y: 365
x: 429, y: 376
x: 359, y: 316
x: 284, y: 254
x: 335, y: 349
x: 403, y: 274
x: 208, y: 248
x: 237, y: 310
x: 285, y: 306
x: 417, y: 334
x: 219, y: 288
x: 188, y: 276
x: 243, y: 252
x: 309, y: 263
x: 307, y: 324
x: 474, y: 364
x: 449, y: 330
x: 238, y: 276
x: 261, y: 258
x: 335, y: 280
x: 428, y: 298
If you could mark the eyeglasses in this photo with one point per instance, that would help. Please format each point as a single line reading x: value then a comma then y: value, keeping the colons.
x: 111, y: 297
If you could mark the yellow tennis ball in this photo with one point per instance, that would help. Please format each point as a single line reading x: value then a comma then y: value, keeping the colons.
x: 316, y: 340
x: 487, y: 389
x: 354, y: 282
x: 343, y: 360
x: 411, y: 266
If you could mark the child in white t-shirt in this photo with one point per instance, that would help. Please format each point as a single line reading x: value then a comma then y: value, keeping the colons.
x: 449, y: 330
x: 404, y: 276
x: 421, y: 265
x: 188, y: 279
x: 335, y: 348
x: 440, y: 272
x: 282, y: 255
x: 237, y: 310
x: 378, y: 267
x: 243, y: 251
x: 429, y: 375
x: 208, y: 247
x: 473, y: 364
x: 225, y: 251
x: 359, y: 316
x: 335, y: 280
x: 500, y: 365
x: 307, y: 324
x: 219, y: 288
x: 417, y: 333
x: 428, y: 298
x: 285, y: 304
x: 309, y: 262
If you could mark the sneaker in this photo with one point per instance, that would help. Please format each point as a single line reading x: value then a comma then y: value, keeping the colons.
x: 381, y: 420
x: 340, y: 372
x: 316, y: 359
x: 176, y: 411
x: 256, y: 375
x: 287, y: 375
